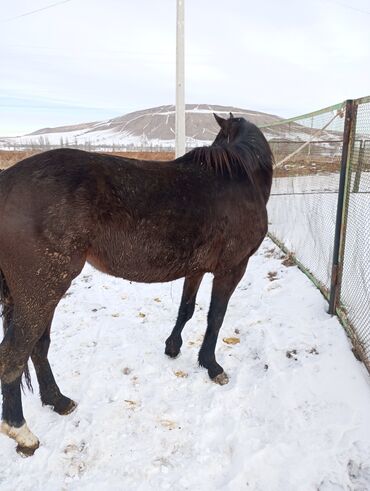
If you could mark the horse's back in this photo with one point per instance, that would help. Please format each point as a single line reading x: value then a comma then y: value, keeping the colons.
x: 145, y: 221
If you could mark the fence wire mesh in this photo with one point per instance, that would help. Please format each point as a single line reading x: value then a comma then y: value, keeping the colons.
x: 302, y: 207
x: 354, y: 289
x: 304, y: 202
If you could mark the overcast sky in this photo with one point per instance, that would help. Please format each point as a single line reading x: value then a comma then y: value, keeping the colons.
x: 87, y: 60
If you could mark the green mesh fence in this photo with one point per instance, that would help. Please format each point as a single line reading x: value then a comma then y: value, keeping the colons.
x: 353, y: 305
x: 303, y: 207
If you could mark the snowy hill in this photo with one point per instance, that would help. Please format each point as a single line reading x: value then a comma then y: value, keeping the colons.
x: 154, y: 127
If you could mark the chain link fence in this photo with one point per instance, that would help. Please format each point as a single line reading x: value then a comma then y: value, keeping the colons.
x: 353, y: 291
x: 319, y: 210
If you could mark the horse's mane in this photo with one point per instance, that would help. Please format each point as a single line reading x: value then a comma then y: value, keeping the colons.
x: 234, y: 161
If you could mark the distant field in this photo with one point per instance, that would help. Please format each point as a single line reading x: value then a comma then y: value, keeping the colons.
x: 9, y: 158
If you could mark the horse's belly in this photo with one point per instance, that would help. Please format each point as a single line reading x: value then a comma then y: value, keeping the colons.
x: 144, y: 266
x: 159, y: 252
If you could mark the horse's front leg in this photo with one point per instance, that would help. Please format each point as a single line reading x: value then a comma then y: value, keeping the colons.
x: 222, y: 289
x: 186, y: 310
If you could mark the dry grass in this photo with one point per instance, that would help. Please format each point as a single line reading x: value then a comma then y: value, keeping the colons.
x: 289, y: 260
x: 306, y: 166
x: 11, y: 157
x: 146, y: 155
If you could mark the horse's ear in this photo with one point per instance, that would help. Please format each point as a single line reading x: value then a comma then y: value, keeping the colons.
x: 231, y: 115
x: 220, y: 121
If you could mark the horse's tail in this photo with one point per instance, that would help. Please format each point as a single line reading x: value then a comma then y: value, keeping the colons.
x: 7, y: 306
x: 6, y: 301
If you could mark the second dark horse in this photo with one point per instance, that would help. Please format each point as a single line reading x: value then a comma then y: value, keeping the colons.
x: 139, y: 220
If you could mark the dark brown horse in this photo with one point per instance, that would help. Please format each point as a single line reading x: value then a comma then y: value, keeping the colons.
x: 139, y: 220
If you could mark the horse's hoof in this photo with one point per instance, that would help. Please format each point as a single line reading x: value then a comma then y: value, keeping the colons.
x: 172, y: 349
x: 221, y: 379
x: 172, y: 354
x: 65, y: 406
x: 26, y: 440
x: 26, y: 451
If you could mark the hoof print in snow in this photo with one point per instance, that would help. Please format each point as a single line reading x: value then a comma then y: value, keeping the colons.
x: 266, y: 367
x: 126, y: 371
x: 135, y: 380
x: 270, y: 252
x: 221, y: 379
x: 292, y: 354
x: 313, y: 351
x: 358, y: 474
x: 272, y: 275
x: 75, y: 454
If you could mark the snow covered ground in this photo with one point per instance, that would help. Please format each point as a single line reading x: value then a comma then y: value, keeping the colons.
x: 294, y: 417
x: 302, y: 213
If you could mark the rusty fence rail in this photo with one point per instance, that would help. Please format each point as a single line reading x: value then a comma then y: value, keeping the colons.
x: 319, y: 210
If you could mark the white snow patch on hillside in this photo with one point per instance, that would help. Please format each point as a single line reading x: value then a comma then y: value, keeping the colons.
x: 97, y: 139
x: 295, y: 415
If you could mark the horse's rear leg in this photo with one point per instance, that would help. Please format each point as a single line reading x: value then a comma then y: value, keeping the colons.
x: 15, y: 350
x: 35, y: 297
x: 13, y: 423
x: 223, y: 287
x: 32, y: 314
x: 49, y: 390
x: 186, y: 310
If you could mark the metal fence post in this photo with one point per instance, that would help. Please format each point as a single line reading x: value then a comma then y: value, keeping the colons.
x: 340, y: 226
x: 360, y: 165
